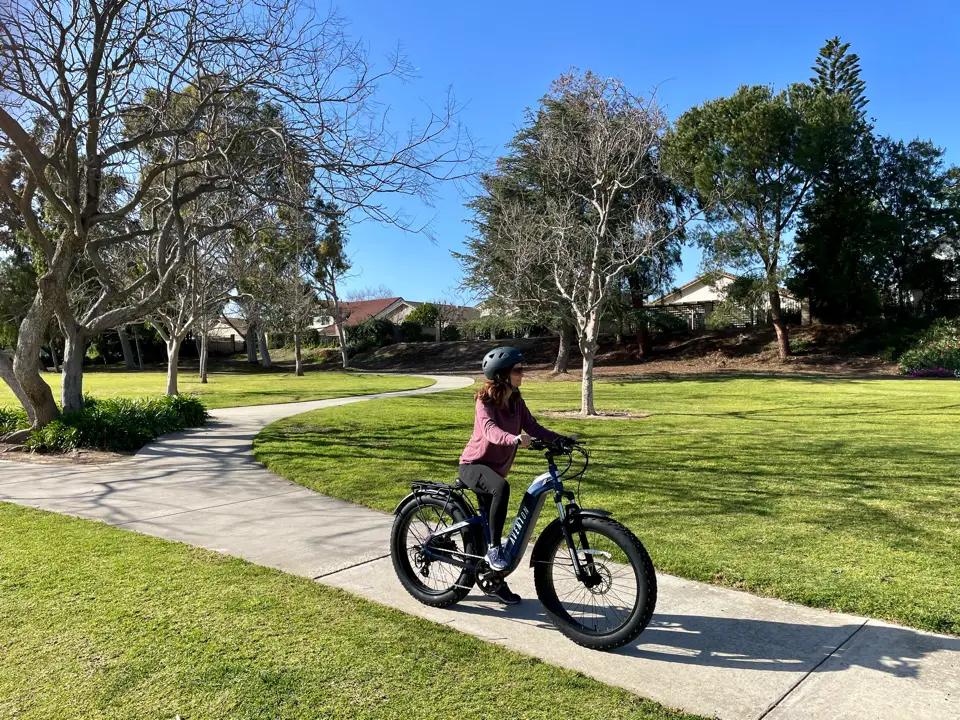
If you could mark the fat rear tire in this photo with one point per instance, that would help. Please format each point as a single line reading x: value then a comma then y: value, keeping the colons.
x: 408, y: 574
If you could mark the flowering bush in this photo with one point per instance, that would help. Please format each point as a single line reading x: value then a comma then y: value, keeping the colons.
x: 935, y: 372
x: 936, y: 353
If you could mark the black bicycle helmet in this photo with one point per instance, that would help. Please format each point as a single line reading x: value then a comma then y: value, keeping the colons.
x: 500, y: 360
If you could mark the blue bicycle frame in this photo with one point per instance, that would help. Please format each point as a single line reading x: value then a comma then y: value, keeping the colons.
x: 527, y: 516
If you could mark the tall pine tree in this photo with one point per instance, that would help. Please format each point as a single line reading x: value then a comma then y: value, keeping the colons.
x: 836, y: 264
x: 837, y: 72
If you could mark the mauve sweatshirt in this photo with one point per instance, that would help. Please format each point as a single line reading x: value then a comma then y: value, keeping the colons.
x: 495, y: 430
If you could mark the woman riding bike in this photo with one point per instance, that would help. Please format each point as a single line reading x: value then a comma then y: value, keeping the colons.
x: 502, y: 424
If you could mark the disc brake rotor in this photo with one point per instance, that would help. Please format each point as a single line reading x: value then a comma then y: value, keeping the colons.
x: 605, y: 580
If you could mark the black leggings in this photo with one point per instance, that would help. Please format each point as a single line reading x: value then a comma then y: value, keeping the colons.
x: 493, y: 494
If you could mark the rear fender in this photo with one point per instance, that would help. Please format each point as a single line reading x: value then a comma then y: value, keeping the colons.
x: 454, y: 499
x: 438, y: 490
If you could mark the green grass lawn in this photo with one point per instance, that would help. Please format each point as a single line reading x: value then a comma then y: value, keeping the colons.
x: 100, y: 622
x: 232, y: 389
x: 837, y: 494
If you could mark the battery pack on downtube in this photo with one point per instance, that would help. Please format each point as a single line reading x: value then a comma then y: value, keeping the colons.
x: 527, y: 516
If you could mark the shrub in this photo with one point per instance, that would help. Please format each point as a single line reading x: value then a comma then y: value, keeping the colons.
x: 887, y: 340
x: 12, y: 419
x: 118, y: 424
x: 936, y: 353
x: 426, y: 314
x: 370, y: 334
x: 411, y: 331
x: 450, y: 332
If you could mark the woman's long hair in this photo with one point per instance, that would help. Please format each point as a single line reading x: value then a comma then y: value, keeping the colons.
x: 495, y: 393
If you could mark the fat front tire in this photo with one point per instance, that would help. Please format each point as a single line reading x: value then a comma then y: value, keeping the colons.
x: 632, y: 585
x: 436, y: 584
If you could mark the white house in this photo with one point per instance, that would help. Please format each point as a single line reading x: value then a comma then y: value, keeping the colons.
x: 696, y: 300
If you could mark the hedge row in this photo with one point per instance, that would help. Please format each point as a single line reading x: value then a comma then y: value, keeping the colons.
x: 115, y: 424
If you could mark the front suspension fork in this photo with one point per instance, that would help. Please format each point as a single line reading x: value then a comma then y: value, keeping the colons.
x: 586, y: 572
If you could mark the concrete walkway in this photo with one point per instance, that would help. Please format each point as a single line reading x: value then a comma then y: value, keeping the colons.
x: 708, y: 650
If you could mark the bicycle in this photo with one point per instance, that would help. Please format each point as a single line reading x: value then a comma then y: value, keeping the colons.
x: 582, y: 559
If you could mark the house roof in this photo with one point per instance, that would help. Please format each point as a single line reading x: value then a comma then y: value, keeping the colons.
x: 702, y: 278
x: 238, y: 324
x: 355, y: 313
x: 699, y: 279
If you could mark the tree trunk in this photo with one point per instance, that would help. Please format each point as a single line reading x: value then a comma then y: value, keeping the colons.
x: 251, y: 344
x: 39, y: 404
x: 589, y: 350
x: 136, y: 340
x: 265, y: 360
x: 173, y: 358
x: 204, y: 355
x: 338, y: 321
x: 783, y: 338
x: 71, y: 391
x: 296, y: 354
x: 588, y: 335
x: 644, y: 342
x: 344, y: 354
x: 6, y: 374
x: 128, y: 363
x: 54, y: 355
x: 563, y: 354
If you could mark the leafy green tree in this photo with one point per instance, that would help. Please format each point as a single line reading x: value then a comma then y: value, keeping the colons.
x: 837, y: 72
x: 835, y: 263
x: 651, y: 277
x: 917, y: 224
x: 760, y: 152
x: 426, y: 315
x: 327, y: 263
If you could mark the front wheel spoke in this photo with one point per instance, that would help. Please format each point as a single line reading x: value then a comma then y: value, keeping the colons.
x: 618, y: 598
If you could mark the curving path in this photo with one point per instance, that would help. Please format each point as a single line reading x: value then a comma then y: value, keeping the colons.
x: 708, y: 650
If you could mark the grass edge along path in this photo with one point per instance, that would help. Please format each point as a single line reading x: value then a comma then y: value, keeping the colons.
x: 98, y: 621
x: 237, y: 389
x: 834, y: 494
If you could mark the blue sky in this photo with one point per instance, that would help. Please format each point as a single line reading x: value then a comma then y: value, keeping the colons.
x: 500, y: 57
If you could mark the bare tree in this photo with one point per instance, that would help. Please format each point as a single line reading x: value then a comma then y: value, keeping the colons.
x: 449, y: 314
x: 598, y: 144
x: 156, y: 95
x: 199, y: 292
x: 295, y: 308
x: 380, y: 292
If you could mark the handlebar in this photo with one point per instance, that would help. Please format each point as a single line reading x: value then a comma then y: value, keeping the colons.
x: 560, y: 446
x: 564, y: 446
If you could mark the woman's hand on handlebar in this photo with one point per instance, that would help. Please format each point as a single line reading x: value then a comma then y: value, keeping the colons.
x: 524, y: 440
x: 564, y: 443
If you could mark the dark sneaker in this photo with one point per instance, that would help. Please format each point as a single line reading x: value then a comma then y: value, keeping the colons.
x: 504, y: 595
